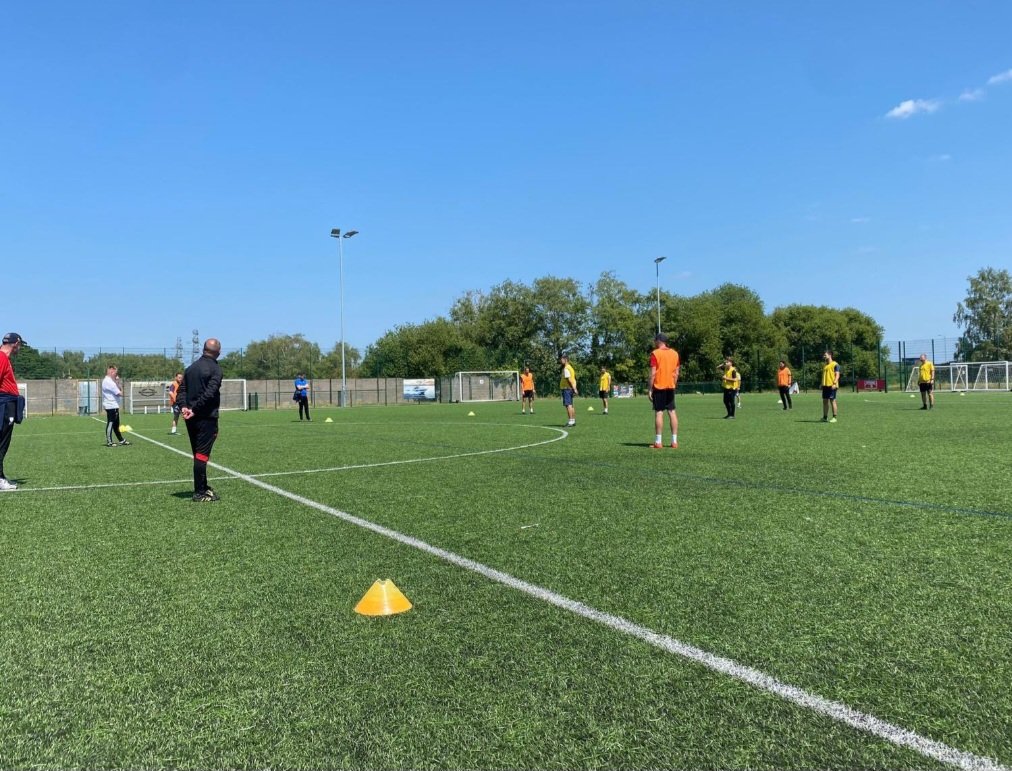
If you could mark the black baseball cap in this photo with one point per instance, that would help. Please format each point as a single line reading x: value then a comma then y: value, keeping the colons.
x: 660, y: 338
x: 13, y: 337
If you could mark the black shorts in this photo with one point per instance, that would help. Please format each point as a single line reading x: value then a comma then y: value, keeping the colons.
x: 926, y: 387
x: 828, y: 392
x: 176, y: 410
x: 602, y: 394
x: 664, y: 399
x: 202, y: 432
x: 528, y: 394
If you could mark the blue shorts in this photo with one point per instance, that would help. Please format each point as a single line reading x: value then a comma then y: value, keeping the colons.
x: 828, y: 392
x: 567, y: 397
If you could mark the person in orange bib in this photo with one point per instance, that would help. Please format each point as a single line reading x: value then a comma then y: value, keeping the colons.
x: 528, y: 391
x: 784, y: 382
x: 664, y: 367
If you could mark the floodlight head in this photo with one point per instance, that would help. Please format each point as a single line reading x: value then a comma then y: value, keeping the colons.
x: 659, y: 260
x: 351, y: 233
x: 335, y: 233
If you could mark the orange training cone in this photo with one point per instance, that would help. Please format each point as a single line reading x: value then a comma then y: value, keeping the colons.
x: 383, y: 599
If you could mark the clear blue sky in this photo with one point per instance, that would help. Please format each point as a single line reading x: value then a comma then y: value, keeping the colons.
x: 170, y: 166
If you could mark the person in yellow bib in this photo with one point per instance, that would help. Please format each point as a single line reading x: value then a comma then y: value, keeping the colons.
x: 830, y: 385
x: 527, y: 388
x: 926, y: 382
x: 664, y: 369
x: 604, y: 387
x: 567, y: 383
x: 731, y: 381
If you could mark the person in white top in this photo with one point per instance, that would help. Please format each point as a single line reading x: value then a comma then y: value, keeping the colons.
x: 111, y: 395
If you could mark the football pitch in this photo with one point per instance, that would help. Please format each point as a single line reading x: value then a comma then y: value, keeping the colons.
x: 777, y: 593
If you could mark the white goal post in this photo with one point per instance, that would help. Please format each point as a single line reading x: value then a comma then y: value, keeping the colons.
x: 489, y: 386
x: 152, y: 396
x: 967, y: 376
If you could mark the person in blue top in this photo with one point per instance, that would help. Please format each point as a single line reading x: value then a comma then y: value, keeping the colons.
x: 302, y: 395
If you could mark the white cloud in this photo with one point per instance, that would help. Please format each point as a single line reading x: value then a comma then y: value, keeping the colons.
x: 1001, y: 77
x: 940, y: 158
x: 860, y: 220
x: 912, y: 107
x: 972, y: 95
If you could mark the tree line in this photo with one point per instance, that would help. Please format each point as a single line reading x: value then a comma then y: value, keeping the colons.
x: 608, y: 323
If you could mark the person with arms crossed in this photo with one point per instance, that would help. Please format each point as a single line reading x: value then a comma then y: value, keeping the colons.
x: 784, y: 382
x: 604, y: 388
x: 664, y: 368
x: 111, y: 395
x: 926, y: 382
x: 731, y: 381
x: 12, y: 403
x: 200, y: 395
x: 302, y: 395
x: 830, y: 385
x: 567, y: 382
x: 528, y: 391
x: 174, y: 404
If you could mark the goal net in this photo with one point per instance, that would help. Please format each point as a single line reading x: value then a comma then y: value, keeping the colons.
x: 501, y: 385
x: 992, y: 376
x: 152, y: 396
x: 967, y: 376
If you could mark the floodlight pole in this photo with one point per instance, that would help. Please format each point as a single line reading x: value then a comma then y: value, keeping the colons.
x: 336, y: 233
x: 657, y: 266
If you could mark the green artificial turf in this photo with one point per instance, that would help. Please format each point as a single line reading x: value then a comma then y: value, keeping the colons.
x: 865, y: 561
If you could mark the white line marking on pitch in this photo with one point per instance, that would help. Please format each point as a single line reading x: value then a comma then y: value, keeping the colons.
x: 901, y: 737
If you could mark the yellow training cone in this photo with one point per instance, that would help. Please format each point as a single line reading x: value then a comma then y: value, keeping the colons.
x: 329, y: 420
x: 470, y: 414
x: 125, y: 428
x: 383, y: 599
x: 590, y: 409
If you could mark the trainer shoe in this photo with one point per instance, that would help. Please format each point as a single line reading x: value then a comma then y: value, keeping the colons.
x: 606, y: 412
x: 674, y: 445
x: 657, y: 446
x: 212, y: 493
x: 571, y: 423
x: 832, y: 420
x: 204, y: 497
x: 124, y: 442
x: 6, y: 484
x: 109, y: 444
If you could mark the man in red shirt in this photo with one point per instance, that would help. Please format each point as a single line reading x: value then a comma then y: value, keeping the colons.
x: 664, y: 366
x: 12, y: 406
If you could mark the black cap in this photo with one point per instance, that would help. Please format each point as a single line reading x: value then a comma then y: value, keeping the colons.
x: 659, y: 338
x: 13, y: 337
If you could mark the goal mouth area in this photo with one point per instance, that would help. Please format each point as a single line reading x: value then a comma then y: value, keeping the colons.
x: 976, y: 376
x: 486, y: 386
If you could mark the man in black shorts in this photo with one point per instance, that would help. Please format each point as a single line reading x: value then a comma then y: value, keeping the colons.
x: 200, y: 396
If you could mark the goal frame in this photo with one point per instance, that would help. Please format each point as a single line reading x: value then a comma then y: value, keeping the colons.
x: 956, y: 376
x: 512, y: 375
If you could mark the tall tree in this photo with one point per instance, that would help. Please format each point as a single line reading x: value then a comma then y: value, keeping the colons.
x: 279, y: 356
x: 986, y: 317
x: 617, y: 337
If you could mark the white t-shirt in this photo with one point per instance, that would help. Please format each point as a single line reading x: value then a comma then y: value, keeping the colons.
x: 110, y: 394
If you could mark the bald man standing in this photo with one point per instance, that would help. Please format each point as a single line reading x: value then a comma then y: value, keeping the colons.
x: 200, y: 397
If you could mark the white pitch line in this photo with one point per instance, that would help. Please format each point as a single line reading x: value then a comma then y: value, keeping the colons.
x: 835, y: 710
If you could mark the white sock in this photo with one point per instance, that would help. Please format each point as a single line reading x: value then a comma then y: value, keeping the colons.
x: 657, y: 439
x: 674, y: 438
